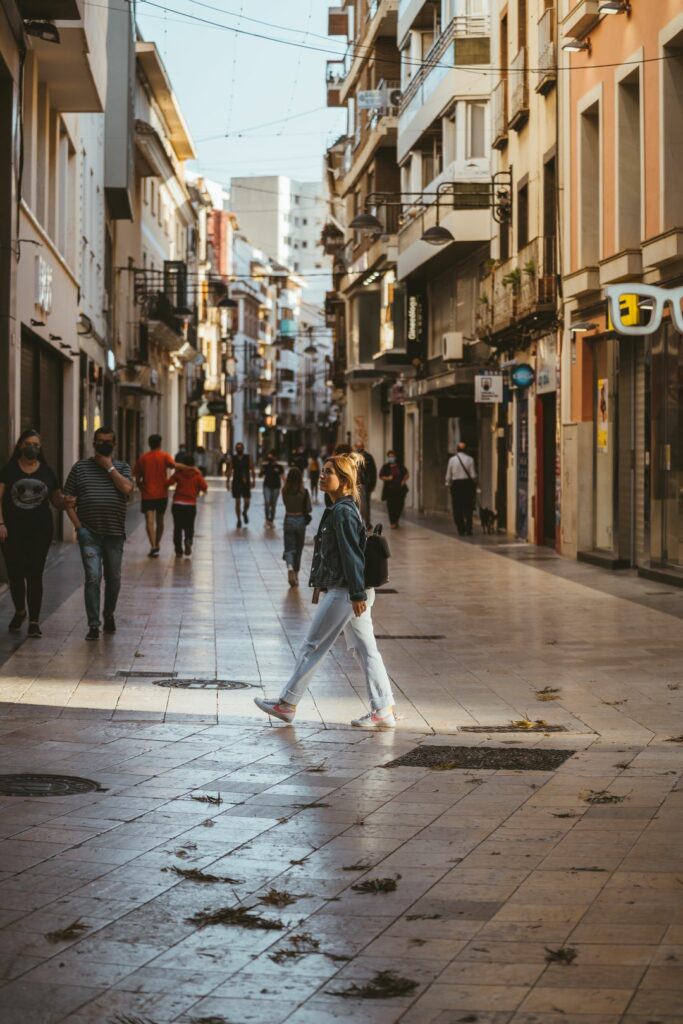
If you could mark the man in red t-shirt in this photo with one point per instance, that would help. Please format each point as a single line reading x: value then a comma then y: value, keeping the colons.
x: 150, y: 473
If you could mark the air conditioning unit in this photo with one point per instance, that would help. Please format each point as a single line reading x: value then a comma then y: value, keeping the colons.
x: 391, y: 97
x: 453, y: 346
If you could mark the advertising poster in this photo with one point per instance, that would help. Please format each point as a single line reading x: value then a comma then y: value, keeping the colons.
x: 603, y: 414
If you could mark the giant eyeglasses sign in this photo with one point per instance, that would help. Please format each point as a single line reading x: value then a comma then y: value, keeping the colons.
x: 622, y: 299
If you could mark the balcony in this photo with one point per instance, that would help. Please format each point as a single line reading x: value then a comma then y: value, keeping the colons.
x: 537, y: 281
x: 336, y: 74
x: 581, y: 19
x: 522, y: 288
x: 380, y: 22
x: 547, y: 52
x: 499, y: 100
x: 75, y: 68
x: 519, y: 91
x: 337, y: 21
x: 165, y: 328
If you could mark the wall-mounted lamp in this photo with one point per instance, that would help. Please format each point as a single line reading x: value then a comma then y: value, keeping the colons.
x: 577, y: 46
x: 44, y: 30
x: 581, y: 326
x: 614, y: 7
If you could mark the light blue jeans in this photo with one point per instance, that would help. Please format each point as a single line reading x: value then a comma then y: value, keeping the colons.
x: 100, y: 551
x: 334, y: 614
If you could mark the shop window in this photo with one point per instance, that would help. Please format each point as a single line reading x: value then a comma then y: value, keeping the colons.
x: 628, y: 163
x: 589, y: 186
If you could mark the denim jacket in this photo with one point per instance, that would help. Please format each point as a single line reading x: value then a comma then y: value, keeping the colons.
x: 339, y: 552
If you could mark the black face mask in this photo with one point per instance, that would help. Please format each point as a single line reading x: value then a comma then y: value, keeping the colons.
x: 104, y: 448
x: 31, y: 452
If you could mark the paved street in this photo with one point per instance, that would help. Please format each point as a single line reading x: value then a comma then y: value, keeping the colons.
x: 525, y: 896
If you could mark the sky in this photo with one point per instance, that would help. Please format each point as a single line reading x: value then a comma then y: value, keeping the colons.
x: 232, y: 87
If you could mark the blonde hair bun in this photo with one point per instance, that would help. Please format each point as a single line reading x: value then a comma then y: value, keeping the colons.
x: 347, y: 466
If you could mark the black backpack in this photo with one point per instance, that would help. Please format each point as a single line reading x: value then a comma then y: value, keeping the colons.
x: 377, y: 555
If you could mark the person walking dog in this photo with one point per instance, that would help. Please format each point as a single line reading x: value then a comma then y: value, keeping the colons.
x: 27, y: 488
x: 461, y: 478
x: 298, y: 510
x: 338, y: 574
x: 101, y: 487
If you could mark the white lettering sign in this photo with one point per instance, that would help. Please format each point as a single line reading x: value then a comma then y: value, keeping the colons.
x: 488, y: 388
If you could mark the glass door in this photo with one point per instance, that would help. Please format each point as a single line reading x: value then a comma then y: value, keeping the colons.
x: 671, y: 453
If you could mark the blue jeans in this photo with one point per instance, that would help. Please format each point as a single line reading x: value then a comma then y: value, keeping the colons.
x: 270, y: 496
x: 295, y: 535
x: 334, y: 614
x: 100, y: 551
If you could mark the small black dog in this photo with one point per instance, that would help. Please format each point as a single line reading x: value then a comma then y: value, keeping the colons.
x: 487, y: 518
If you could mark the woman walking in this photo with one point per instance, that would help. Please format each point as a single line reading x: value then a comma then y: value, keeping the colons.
x: 395, y: 488
x: 27, y: 484
x: 271, y: 472
x: 297, y: 502
x: 338, y: 573
x: 314, y: 476
x: 189, y: 484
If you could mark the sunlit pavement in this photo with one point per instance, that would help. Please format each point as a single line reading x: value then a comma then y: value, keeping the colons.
x: 525, y: 896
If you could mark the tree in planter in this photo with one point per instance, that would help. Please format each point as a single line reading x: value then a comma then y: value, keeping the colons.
x: 513, y: 279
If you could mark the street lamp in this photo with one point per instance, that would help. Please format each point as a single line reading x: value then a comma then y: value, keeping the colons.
x: 577, y: 46
x: 614, y: 7
x: 581, y: 326
x: 438, y: 235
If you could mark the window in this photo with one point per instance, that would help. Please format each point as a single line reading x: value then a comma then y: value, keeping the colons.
x: 153, y: 197
x: 628, y: 162
x: 304, y: 245
x: 522, y: 216
x: 304, y: 221
x: 449, y: 139
x: 672, y: 142
x: 476, y: 131
x: 589, y: 186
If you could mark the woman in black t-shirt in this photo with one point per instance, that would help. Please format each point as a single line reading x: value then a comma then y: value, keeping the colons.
x: 394, y: 476
x: 27, y: 484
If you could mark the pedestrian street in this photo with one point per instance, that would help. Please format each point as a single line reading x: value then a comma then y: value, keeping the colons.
x: 223, y: 867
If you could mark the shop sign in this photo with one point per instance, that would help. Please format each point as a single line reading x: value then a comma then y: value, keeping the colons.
x: 602, y: 435
x: 207, y: 424
x: 522, y: 376
x: 488, y: 388
x: 217, y: 406
x: 626, y: 301
x: 43, y: 286
x: 546, y: 366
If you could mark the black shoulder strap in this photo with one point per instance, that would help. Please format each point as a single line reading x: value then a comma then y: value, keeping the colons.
x: 457, y: 455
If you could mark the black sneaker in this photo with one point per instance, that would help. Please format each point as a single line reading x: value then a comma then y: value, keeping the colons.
x: 188, y: 548
x: 34, y: 630
x: 246, y: 516
x: 179, y: 552
x: 109, y: 624
x: 17, y: 622
x: 93, y: 633
x: 239, y: 524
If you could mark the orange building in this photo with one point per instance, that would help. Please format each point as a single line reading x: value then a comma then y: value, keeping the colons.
x: 621, y: 144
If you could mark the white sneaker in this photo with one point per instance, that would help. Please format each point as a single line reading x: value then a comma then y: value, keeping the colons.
x: 275, y: 709
x: 373, y: 720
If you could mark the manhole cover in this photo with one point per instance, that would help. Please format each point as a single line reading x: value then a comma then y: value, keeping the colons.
x: 513, y: 728
x: 409, y: 636
x: 524, y: 759
x: 145, y: 675
x: 47, y: 785
x: 204, y: 684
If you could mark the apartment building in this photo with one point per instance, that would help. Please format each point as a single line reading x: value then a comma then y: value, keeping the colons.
x: 622, y: 446
x: 444, y: 125
x: 518, y: 311
x: 155, y: 273
x: 360, y: 165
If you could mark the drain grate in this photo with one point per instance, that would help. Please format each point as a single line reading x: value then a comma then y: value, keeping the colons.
x: 204, y: 684
x: 47, y: 785
x: 512, y: 728
x: 409, y: 636
x: 125, y: 673
x: 523, y: 759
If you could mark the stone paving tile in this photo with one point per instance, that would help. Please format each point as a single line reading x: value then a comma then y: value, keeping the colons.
x: 496, y: 867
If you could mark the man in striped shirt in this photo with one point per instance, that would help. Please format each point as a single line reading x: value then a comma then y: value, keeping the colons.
x: 101, y: 486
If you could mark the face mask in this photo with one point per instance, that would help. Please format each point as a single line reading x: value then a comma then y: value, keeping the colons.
x: 104, y: 448
x: 31, y: 452
x: 392, y: 459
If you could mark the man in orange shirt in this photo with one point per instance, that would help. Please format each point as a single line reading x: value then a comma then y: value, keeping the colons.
x: 150, y: 473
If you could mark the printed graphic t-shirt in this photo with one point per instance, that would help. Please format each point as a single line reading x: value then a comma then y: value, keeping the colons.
x: 152, y: 468
x: 25, y: 504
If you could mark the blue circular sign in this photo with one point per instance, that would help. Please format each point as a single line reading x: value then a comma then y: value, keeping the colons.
x: 523, y: 375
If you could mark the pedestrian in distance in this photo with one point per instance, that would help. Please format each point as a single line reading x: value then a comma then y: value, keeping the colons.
x: 369, y: 482
x: 338, y: 573
x: 240, y: 480
x: 182, y: 450
x: 314, y: 475
x: 298, y: 513
x: 461, y: 479
x: 201, y: 459
x: 101, y: 486
x: 150, y: 473
x: 271, y: 472
x: 189, y: 484
x: 299, y: 459
x: 27, y: 488
x: 395, y: 480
